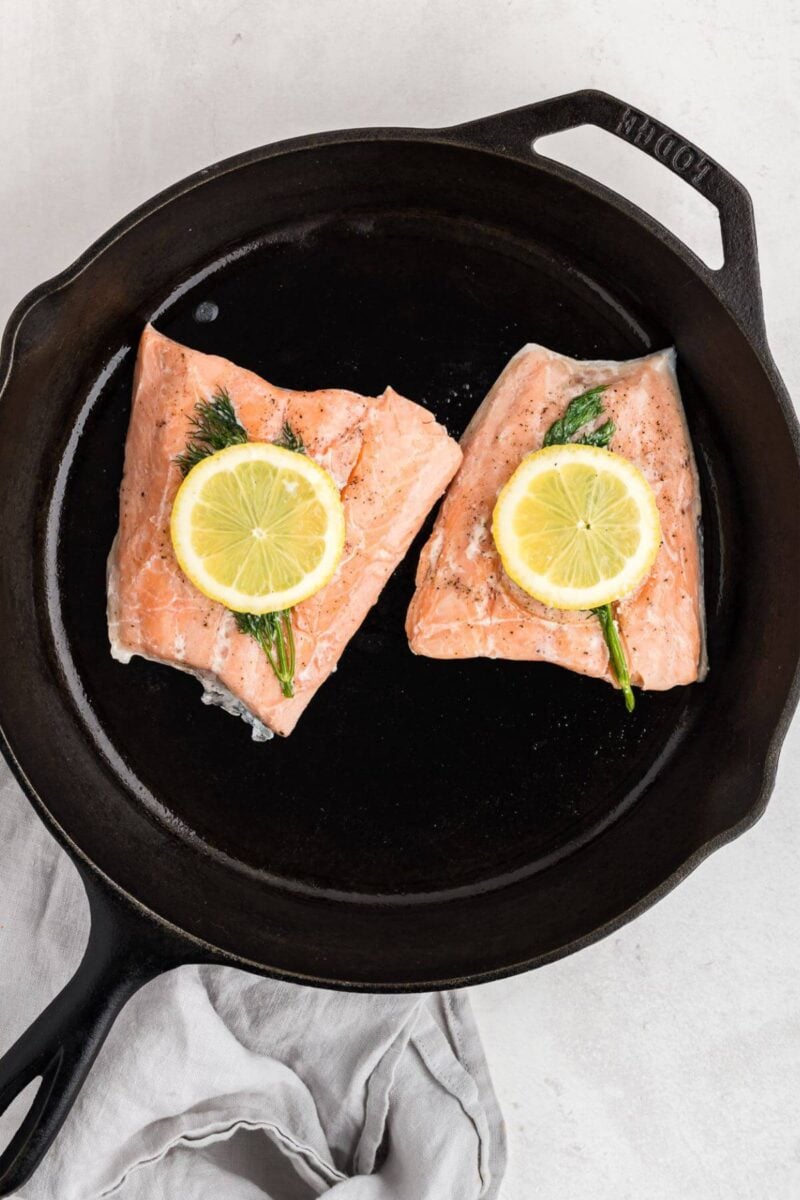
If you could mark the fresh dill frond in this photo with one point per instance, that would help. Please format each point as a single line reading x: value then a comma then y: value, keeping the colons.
x: 290, y: 440
x: 214, y: 427
x: 616, y: 651
x: 580, y: 411
x: 599, y: 437
x: 273, y: 632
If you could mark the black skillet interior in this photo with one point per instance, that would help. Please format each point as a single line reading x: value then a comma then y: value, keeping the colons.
x: 402, y: 765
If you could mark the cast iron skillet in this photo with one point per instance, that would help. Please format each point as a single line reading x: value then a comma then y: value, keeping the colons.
x: 428, y: 824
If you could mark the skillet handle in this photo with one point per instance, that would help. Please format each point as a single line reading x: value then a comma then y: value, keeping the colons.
x: 62, y: 1043
x: 738, y: 281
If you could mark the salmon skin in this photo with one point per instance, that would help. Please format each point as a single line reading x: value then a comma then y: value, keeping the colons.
x: 390, y: 459
x: 465, y: 605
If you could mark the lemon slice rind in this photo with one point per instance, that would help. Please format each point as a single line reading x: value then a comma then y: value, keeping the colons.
x: 509, y: 540
x: 295, y: 469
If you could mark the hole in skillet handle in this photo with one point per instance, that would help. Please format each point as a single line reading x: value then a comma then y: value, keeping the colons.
x: 122, y: 953
x: 615, y: 163
x: 737, y: 281
x: 11, y: 1120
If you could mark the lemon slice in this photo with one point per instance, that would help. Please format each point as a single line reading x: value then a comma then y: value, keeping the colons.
x: 258, y: 528
x: 576, y: 526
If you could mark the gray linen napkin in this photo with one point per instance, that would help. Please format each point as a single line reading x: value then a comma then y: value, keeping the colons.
x: 217, y: 1083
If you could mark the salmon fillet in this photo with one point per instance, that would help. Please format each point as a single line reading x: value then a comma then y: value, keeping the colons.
x: 388, y: 456
x: 465, y: 605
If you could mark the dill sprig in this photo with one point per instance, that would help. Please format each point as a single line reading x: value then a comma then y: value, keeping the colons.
x: 214, y: 427
x: 581, y: 411
x: 616, y: 651
x: 598, y: 437
x: 273, y: 632
x: 290, y: 440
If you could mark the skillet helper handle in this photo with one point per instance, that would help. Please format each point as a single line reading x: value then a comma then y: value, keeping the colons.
x: 62, y: 1043
x: 738, y: 281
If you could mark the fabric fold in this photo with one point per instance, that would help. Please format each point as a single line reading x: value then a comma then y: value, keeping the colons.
x: 217, y: 1082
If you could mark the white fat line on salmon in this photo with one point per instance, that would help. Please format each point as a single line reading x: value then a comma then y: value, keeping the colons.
x: 222, y: 639
x: 477, y: 540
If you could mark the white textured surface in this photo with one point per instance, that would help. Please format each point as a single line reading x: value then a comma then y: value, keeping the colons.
x: 665, y: 1061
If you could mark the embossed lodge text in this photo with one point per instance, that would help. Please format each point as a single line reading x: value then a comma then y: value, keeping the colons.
x: 665, y: 146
